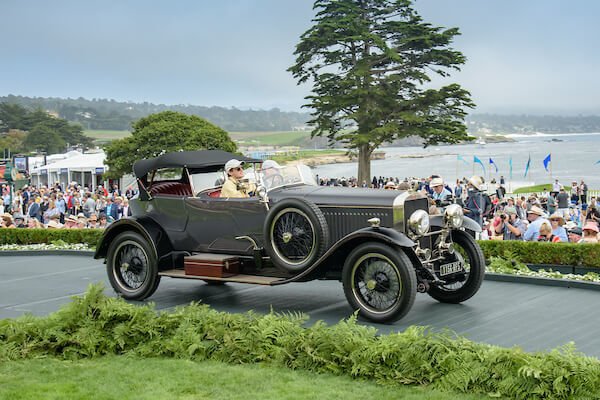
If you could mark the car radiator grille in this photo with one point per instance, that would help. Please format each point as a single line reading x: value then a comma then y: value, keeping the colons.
x: 342, y: 221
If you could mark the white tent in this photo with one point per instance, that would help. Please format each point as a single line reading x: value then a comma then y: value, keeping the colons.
x: 84, y: 169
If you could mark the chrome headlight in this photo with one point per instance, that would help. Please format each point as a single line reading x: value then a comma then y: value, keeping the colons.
x: 418, y: 222
x: 453, y: 216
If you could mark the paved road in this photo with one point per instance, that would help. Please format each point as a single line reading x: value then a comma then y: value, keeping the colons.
x: 505, y: 314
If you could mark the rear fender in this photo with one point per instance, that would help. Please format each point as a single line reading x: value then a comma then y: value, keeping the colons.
x: 146, y: 227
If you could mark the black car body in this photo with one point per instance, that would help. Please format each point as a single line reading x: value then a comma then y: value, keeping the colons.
x: 381, y: 244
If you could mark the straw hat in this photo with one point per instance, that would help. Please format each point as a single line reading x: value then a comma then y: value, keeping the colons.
x: 54, y: 224
x: 476, y: 182
x: 436, y: 182
x: 536, y: 210
x: 561, y: 220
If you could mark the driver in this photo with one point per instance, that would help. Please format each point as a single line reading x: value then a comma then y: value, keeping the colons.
x: 234, y: 185
x: 271, y: 173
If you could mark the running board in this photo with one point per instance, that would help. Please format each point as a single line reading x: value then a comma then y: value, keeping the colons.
x: 240, y: 278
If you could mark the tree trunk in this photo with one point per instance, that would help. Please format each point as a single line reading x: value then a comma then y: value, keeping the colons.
x: 364, y: 164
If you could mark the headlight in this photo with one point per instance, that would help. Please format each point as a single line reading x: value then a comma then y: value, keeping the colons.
x: 418, y: 222
x: 453, y: 216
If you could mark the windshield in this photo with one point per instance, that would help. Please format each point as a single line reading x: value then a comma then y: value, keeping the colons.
x: 288, y: 175
x: 271, y: 178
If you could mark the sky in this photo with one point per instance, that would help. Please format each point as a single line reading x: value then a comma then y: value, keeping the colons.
x: 533, y: 56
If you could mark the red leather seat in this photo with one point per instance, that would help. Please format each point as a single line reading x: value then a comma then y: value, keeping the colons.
x: 215, y: 193
x: 171, y: 189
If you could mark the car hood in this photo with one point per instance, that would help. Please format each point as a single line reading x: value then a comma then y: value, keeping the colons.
x: 338, y: 195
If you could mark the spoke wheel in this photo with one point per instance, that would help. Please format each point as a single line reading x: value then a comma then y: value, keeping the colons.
x: 380, y: 282
x: 293, y: 236
x: 296, y: 234
x: 132, y: 267
x: 464, y: 286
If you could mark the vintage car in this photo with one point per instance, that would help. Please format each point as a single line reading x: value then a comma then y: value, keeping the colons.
x: 381, y: 244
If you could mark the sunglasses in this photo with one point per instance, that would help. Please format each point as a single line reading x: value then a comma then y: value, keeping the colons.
x: 237, y: 169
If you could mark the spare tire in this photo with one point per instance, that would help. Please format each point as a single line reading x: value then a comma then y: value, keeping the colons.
x: 296, y: 234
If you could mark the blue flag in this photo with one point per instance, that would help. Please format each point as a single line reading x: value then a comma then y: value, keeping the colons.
x: 510, y: 166
x: 460, y: 158
x: 547, y: 161
x: 494, y: 164
x: 597, y: 162
x: 527, y: 166
x: 478, y: 161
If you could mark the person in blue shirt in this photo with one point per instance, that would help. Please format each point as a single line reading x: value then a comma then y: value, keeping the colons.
x: 535, y: 216
x: 438, y: 191
x: 557, y: 222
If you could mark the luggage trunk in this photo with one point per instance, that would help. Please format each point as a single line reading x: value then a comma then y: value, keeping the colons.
x: 213, y: 265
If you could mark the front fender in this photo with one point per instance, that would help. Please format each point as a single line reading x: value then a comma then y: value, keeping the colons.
x: 146, y: 227
x: 346, y: 244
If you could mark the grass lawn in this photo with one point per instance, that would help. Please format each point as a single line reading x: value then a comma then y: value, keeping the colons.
x: 130, y: 378
x: 534, y: 189
x: 294, y: 138
x: 105, y: 135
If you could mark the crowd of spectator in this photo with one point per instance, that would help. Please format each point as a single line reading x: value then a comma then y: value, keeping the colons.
x: 55, y: 207
x: 558, y: 215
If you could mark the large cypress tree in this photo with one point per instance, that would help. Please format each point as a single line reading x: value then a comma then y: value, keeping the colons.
x: 368, y: 61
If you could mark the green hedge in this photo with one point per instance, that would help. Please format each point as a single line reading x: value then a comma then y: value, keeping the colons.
x: 587, y: 255
x: 35, y: 236
x: 94, y: 325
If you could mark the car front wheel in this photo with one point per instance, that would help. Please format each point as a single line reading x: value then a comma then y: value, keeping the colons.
x: 463, y: 285
x: 132, y: 266
x: 379, y: 281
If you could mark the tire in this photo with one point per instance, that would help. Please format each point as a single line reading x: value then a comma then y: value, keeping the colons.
x: 132, y: 266
x: 296, y: 234
x: 377, y: 273
x: 460, y: 291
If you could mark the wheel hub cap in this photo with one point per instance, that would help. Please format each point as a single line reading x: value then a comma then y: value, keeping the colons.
x: 371, y: 284
x: 287, y: 236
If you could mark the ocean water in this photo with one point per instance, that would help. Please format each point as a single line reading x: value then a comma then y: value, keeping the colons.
x: 573, y: 157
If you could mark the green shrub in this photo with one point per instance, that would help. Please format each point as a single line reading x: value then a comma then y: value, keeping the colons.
x: 95, y: 325
x: 34, y: 236
x: 587, y: 255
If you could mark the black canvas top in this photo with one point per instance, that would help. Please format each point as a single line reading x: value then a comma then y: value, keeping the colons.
x: 202, y: 159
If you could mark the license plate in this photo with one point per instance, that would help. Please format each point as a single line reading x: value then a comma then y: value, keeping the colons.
x: 451, y: 268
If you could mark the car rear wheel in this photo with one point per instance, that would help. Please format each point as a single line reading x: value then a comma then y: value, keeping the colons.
x: 132, y: 266
x: 379, y: 281
x: 468, y: 252
x: 296, y: 234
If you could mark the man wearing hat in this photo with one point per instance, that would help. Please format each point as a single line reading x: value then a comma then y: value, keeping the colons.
x: 233, y: 186
x: 270, y: 173
x: 574, y: 232
x: 19, y: 220
x: 439, y: 192
x: 71, y: 222
x: 536, y: 218
x: 511, y: 226
x: 478, y: 204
